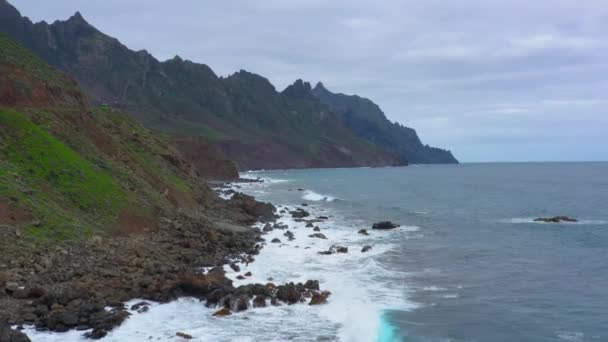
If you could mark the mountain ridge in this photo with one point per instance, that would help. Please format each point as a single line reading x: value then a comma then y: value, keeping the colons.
x: 368, y: 120
x: 243, y: 115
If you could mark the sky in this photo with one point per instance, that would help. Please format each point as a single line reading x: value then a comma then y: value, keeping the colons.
x: 490, y: 80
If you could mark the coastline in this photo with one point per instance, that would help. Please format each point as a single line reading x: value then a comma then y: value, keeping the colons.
x: 354, y: 311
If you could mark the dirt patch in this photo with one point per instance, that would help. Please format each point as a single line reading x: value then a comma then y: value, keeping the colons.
x: 13, y: 215
x: 130, y: 222
x: 207, y: 160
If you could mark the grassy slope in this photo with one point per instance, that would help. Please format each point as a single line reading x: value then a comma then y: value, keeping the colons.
x: 77, y: 170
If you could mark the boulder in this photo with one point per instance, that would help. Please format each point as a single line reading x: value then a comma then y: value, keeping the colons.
x: 183, y: 335
x: 240, y: 277
x: 341, y: 249
x: 363, y: 232
x: 267, y: 228
x: 259, y: 210
x: 309, y: 225
x: 96, y: 334
x: 317, y: 229
x: 9, y: 335
x: 319, y: 298
x: 248, y: 274
x: 259, y: 302
x: 138, y: 306
x: 29, y: 292
x: 299, y: 213
x: 366, y: 249
x: 318, y: 236
x: 275, y: 240
x: 199, y: 285
x: 235, y: 267
x: 289, y: 235
x: 288, y: 293
x: 385, y: 225
x: 312, y: 284
x: 222, y: 312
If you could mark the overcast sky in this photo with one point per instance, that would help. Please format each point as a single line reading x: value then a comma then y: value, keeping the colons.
x: 514, y: 80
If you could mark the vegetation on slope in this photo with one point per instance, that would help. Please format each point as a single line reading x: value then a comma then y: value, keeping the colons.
x: 68, y: 170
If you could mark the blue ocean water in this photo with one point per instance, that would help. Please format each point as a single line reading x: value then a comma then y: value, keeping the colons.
x: 478, y: 268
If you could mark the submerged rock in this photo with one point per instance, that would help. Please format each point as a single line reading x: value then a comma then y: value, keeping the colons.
x: 555, y: 219
x: 385, y: 225
x: 363, y: 232
x: 366, y: 249
x: 318, y: 236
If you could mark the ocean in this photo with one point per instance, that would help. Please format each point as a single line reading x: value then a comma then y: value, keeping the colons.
x: 467, y: 264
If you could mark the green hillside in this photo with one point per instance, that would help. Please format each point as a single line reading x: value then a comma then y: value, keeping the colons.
x: 68, y: 170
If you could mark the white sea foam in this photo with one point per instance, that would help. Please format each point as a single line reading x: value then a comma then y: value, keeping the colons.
x: 310, y: 195
x: 362, y: 290
x: 433, y: 288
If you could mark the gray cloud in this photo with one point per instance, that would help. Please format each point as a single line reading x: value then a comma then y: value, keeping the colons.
x: 491, y: 80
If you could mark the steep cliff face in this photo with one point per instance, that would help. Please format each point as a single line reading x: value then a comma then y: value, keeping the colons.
x: 368, y: 121
x: 243, y: 114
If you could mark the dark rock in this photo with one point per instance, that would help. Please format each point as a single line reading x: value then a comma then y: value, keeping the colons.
x: 183, y: 335
x: 318, y: 236
x: 363, y: 232
x: 259, y: 302
x: 139, y: 305
x: 96, y: 334
x: 248, y: 274
x: 288, y: 293
x: 29, y: 293
x: 259, y: 210
x: 299, y: 213
x: 289, y: 235
x: 312, y: 284
x: 322, y: 217
x: 267, y: 228
x: 309, y: 225
x: 222, y: 312
x: 9, y: 335
x: 199, y: 285
x: 235, y: 267
x: 275, y: 240
x: 366, y: 249
x: 341, y: 249
x: 319, y: 298
x: 305, y: 204
x: 60, y: 318
x: 555, y: 219
x: 317, y: 229
x: 385, y: 225
x: 240, y: 277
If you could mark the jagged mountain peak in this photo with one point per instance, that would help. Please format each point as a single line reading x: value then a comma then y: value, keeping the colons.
x: 78, y: 19
x: 320, y: 87
x: 299, y: 89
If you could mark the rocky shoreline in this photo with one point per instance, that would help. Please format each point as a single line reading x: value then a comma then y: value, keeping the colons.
x: 83, y: 285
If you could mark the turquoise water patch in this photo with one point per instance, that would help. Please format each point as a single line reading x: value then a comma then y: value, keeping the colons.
x: 386, y: 332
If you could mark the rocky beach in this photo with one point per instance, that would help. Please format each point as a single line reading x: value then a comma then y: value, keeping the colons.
x: 85, y: 286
